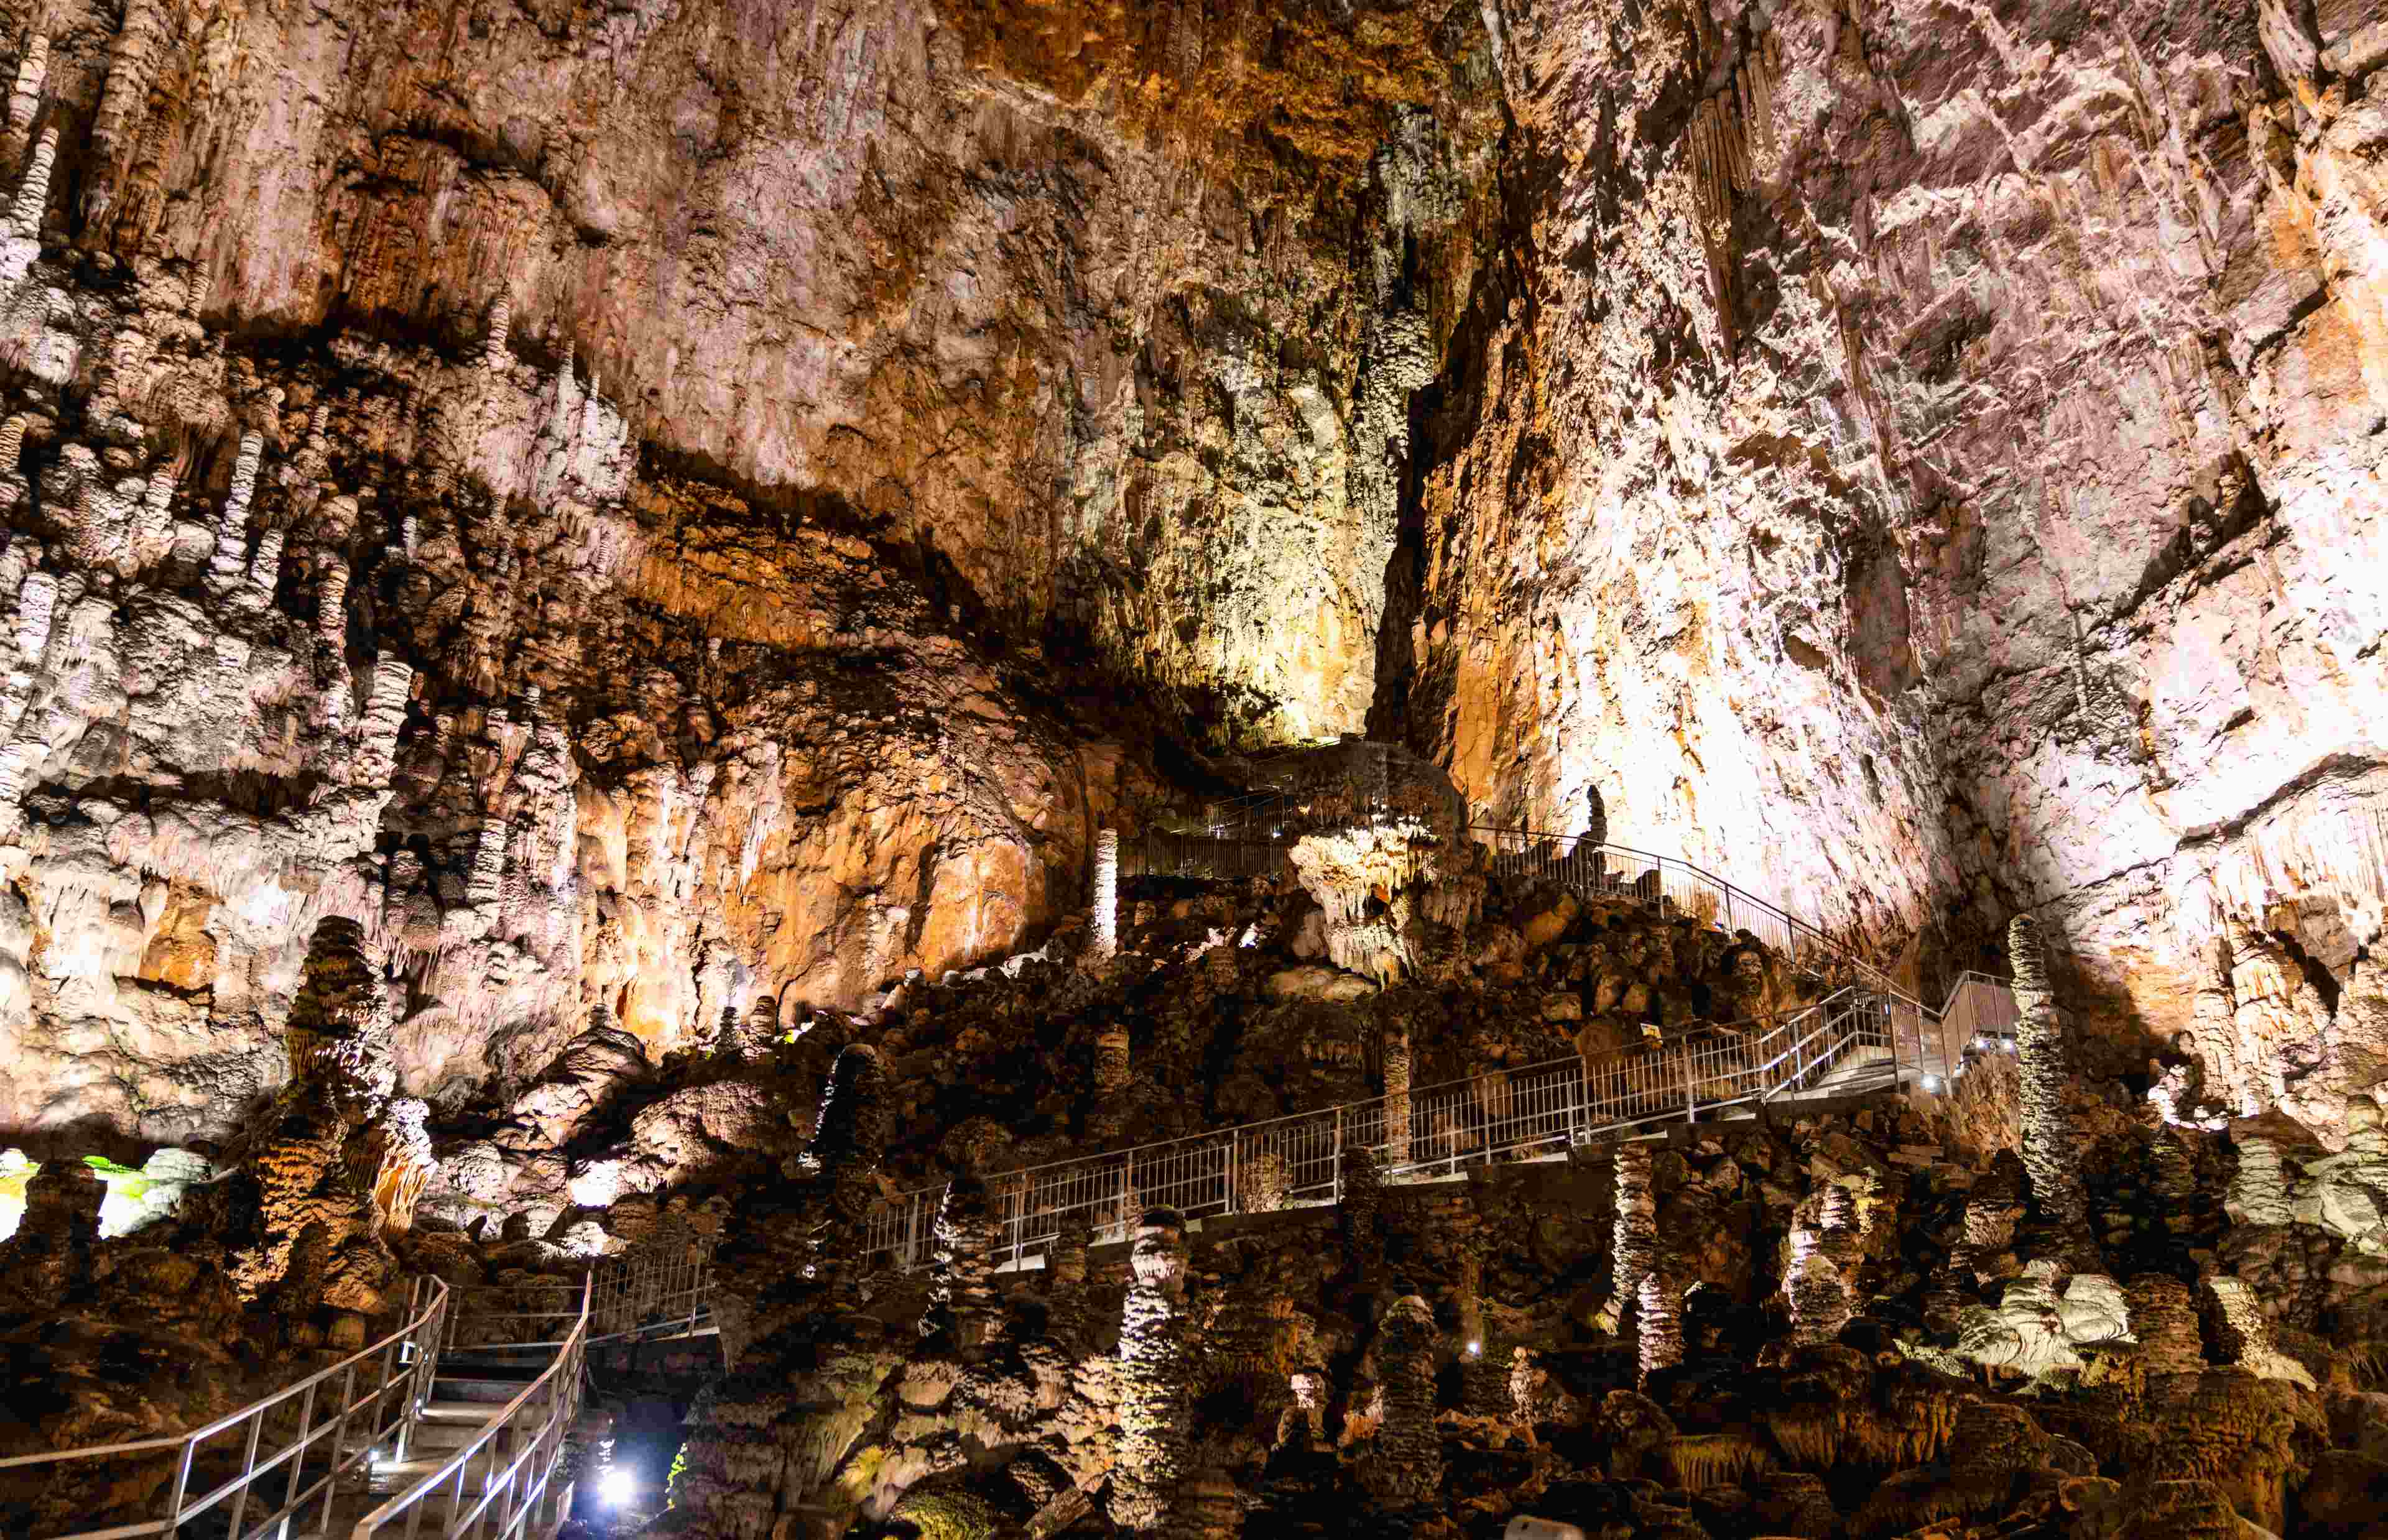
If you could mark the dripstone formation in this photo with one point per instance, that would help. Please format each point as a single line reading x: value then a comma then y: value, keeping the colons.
x: 1236, y: 752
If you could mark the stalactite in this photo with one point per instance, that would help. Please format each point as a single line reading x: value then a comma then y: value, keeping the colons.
x: 1397, y: 1098
x: 1636, y: 1247
x: 1406, y: 1467
x: 1155, y: 1368
x: 1659, y: 1333
x: 2051, y: 1151
x: 33, y: 190
x: 25, y: 97
x: 1106, y: 929
x: 12, y: 444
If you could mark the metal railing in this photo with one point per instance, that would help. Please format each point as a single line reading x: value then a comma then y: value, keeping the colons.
x: 518, y: 1452
x: 321, y: 1435
x: 1979, y: 1015
x: 1852, y: 1040
x: 652, y: 1293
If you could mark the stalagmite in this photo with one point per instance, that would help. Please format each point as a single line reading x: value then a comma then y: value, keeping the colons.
x: 1636, y: 1244
x: 1155, y: 1364
x: 33, y: 191
x: 12, y: 443
x: 25, y: 97
x: 1406, y: 1467
x: 226, y: 567
x: 2164, y: 1318
x: 963, y: 1296
x: 1106, y: 1120
x: 1208, y: 1508
x: 155, y: 534
x: 2051, y: 1151
x: 1397, y: 1098
x: 494, y: 350
x: 1659, y: 1333
x: 2246, y: 1336
x: 2259, y: 1192
x: 409, y: 531
x: 35, y: 602
x: 265, y: 567
x: 1106, y: 928
x: 385, y: 716
x: 488, y: 878
x: 332, y: 600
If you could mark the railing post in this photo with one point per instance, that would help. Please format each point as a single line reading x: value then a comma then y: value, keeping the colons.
x: 1339, y: 1156
x: 1691, y: 1090
x: 1127, y: 1195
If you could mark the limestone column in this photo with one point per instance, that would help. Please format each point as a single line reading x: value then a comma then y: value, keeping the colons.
x: 1637, y: 1243
x: 1155, y: 1368
x: 1106, y: 932
x: 1397, y: 1098
x: 2051, y: 1151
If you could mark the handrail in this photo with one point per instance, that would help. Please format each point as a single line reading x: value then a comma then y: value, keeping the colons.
x: 522, y: 1489
x: 1300, y: 1157
x: 408, y: 1359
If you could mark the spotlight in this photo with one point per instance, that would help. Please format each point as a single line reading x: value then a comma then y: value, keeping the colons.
x: 1932, y: 1084
x: 617, y: 1487
x: 1474, y: 1348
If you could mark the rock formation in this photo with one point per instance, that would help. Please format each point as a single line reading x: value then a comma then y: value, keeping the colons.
x: 2051, y: 1152
x: 1155, y: 1359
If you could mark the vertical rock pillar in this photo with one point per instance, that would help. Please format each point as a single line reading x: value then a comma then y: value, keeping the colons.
x: 1397, y: 1098
x: 2050, y: 1153
x: 1108, y: 1117
x: 1155, y: 1366
x: 1407, y: 1466
x: 1106, y: 942
x: 1636, y: 1244
x: 1660, y: 1330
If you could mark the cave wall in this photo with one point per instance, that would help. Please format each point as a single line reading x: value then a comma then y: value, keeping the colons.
x: 1915, y: 457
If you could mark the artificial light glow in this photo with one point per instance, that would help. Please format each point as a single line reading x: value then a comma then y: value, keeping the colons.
x: 1932, y: 1082
x: 617, y: 1486
x: 1474, y: 1348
